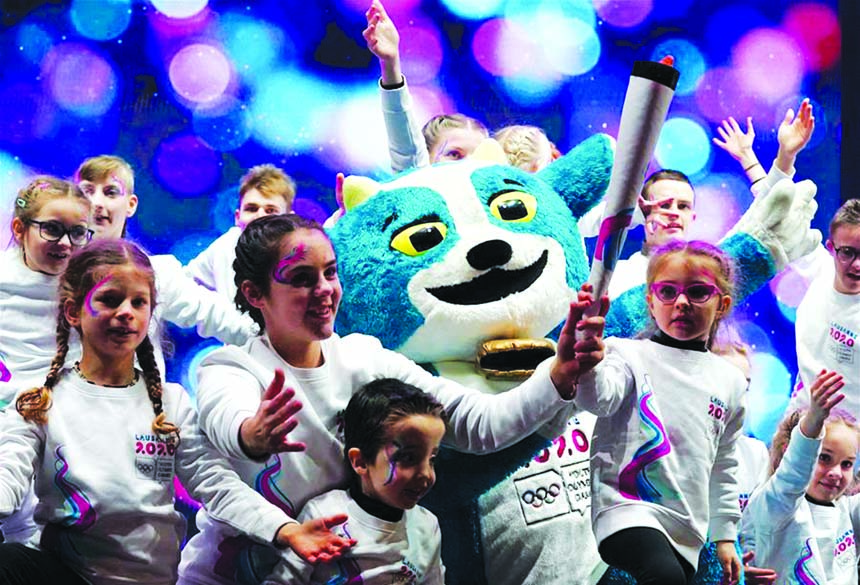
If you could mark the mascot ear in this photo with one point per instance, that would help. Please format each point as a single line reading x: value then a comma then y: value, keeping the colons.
x: 357, y: 190
x: 491, y: 151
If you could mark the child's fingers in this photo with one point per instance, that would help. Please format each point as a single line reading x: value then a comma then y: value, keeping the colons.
x: 734, y: 124
x: 275, y: 386
x: 749, y: 125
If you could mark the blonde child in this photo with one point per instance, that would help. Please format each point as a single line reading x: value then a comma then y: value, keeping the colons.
x: 802, y: 525
x: 109, y: 183
x: 664, y: 466
x: 104, y: 441
x: 49, y: 222
x: 264, y: 190
x: 527, y: 147
x: 392, y: 432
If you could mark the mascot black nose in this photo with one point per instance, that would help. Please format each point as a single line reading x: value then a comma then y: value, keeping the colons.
x: 488, y: 254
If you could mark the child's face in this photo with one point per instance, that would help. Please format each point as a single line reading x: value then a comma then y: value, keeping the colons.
x: 455, y: 144
x: 304, y: 291
x: 835, y: 466
x: 40, y: 254
x: 403, y: 471
x: 670, y: 220
x: 112, y: 205
x: 254, y: 204
x: 847, y: 273
x: 682, y: 319
x: 114, y: 318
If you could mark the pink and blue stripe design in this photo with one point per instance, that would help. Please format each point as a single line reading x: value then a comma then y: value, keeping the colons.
x: 350, y: 573
x: 633, y: 481
x: 611, y: 237
x: 801, y: 571
x: 265, y: 484
x: 83, y: 515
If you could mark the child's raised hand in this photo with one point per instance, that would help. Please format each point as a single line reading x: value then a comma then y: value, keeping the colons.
x: 736, y: 142
x: 381, y: 35
x: 266, y: 432
x: 313, y: 539
x: 728, y: 557
x: 795, y: 132
x: 823, y: 396
x: 580, y: 345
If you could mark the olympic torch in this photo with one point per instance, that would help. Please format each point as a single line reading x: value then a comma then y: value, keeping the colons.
x: 649, y: 93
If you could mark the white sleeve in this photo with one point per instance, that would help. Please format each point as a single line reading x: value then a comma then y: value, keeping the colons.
x: 406, y: 144
x: 436, y: 572
x: 226, y: 396
x: 21, y: 442
x: 602, y: 390
x: 187, y: 304
x: 775, y: 503
x: 774, y: 176
x: 202, y: 268
x: 210, y: 479
x: 725, y: 512
x: 482, y: 423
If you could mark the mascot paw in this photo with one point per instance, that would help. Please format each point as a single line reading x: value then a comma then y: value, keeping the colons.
x: 780, y: 220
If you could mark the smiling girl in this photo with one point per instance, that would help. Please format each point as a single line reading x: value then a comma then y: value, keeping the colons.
x: 286, y: 273
x: 104, y: 441
x: 803, y: 526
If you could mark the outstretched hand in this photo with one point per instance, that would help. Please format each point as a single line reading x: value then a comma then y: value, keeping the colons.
x: 756, y: 575
x: 313, y: 539
x: 824, y: 395
x: 266, y: 432
x: 736, y: 142
x: 728, y: 557
x: 383, y: 40
x: 580, y: 344
x: 795, y: 131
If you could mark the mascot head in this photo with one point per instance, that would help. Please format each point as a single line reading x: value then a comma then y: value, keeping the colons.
x: 440, y: 259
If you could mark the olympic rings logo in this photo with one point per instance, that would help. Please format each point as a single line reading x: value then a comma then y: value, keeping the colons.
x: 542, y: 495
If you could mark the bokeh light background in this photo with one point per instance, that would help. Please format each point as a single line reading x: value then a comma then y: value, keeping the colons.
x: 193, y: 93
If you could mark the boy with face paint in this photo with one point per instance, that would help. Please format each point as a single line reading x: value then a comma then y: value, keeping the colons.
x: 108, y: 182
x: 264, y: 190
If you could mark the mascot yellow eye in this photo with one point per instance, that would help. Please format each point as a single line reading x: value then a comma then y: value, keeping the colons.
x: 514, y: 206
x: 417, y: 239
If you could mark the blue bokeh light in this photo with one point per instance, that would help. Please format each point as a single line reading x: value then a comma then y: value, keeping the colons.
x: 100, y: 21
x: 34, y: 42
x: 683, y: 145
x: 474, y: 9
x: 688, y: 60
x: 224, y: 124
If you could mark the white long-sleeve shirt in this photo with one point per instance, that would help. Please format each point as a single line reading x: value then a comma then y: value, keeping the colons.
x: 663, y: 452
x: 406, y: 551
x: 231, y: 381
x: 104, y: 481
x: 802, y: 541
x: 213, y: 267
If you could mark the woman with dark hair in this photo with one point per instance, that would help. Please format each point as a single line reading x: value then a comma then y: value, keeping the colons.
x: 286, y: 275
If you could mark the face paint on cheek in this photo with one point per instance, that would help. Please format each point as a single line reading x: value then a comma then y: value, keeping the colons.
x: 88, y: 301
x: 392, y: 453
x: 295, y: 255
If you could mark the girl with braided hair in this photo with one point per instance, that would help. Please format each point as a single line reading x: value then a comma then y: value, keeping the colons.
x: 103, y: 441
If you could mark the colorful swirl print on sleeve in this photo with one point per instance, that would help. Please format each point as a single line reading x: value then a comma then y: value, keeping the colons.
x: 82, y: 515
x: 5, y: 373
x: 801, y: 571
x: 266, y: 485
x: 633, y: 481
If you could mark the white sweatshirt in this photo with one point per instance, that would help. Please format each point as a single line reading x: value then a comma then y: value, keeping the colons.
x: 213, y: 267
x: 663, y: 453
x: 828, y: 338
x: 105, y: 482
x: 803, y: 542
x: 407, y: 551
x: 231, y: 381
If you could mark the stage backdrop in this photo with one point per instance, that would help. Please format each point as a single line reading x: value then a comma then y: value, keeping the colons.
x: 193, y: 93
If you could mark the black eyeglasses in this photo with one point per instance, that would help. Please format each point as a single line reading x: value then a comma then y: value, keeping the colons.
x: 53, y: 231
x: 697, y: 293
x: 846, y: 254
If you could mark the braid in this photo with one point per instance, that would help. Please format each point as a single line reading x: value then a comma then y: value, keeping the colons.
x: 33, y: 404
x: 152, y: 377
